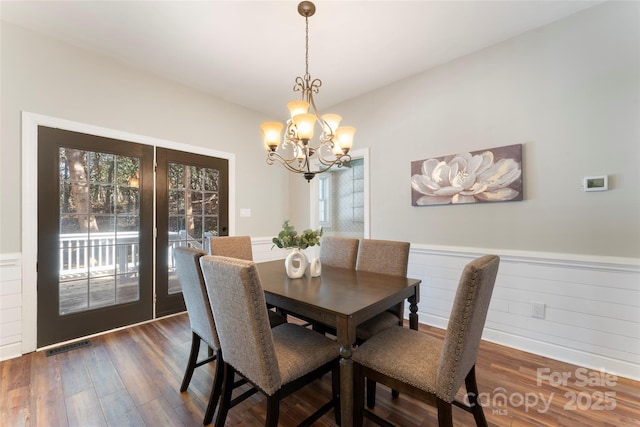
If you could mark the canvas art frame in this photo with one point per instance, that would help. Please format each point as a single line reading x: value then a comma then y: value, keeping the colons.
x: 482, y: 176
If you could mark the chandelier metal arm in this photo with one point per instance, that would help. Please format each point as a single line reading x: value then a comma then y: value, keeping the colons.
x: 334, y: 141
x: 338, y: 161
x: 304, y: 163
x: 286, y: 162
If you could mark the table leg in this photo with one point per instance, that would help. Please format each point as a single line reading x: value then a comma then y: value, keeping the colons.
x: 346, y: 386
x: 413, y: 312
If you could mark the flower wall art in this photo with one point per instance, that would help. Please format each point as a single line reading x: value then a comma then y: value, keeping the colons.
x: 492, y: 175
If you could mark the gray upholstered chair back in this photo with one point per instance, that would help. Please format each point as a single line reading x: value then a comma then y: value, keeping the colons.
x: 195, y: 294
x: 383, y: 256
x: 232, y: 247
x: 240, y: 312
x: 339, y: 252
x: 468, y: 315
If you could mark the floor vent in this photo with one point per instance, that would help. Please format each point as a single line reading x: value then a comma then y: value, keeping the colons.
x: 68, y: 347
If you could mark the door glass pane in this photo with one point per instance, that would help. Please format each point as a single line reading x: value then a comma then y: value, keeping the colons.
x: 76, y: 294
x: 99, y: 230
x: 341, y: 201
x: 102, y: 291
x: 193, y: 204
x: 211, y: 180
x: 176, y: 202
x: 127, y: 200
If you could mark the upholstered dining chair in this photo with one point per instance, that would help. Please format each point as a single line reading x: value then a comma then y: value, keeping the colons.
x: 376, y: 256
x: 384, y: 257
x: 203, y: 327
x: 425, y: 367
x: 240, y: 247
x: 339, y: 252
x: 232, y: 246
x: 277, y: 361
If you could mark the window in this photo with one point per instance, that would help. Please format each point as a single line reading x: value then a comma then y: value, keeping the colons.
x: 324, y: 200
x: 341, y: 200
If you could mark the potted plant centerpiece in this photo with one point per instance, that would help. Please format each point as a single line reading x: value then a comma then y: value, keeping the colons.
x: 296, y: 262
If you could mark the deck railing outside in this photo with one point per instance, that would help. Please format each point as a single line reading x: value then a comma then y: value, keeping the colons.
x: 106, y: 252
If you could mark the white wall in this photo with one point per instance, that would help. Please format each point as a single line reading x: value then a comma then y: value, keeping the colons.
x: 570, y: 93
x: 46, y: 77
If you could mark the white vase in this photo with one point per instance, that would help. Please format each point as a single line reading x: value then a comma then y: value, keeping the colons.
x: 296, y: 263
x: 315, y: 267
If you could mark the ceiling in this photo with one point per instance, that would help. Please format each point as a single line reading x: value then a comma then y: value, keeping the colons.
x: 249, y: 52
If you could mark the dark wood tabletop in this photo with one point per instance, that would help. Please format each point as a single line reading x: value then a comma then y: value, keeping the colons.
x: 341, y: 298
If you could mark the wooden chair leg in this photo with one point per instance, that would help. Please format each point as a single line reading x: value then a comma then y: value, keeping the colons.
x: 472, y: 392
x: 227, y: 388
x: 358, y: 395
x: 273, y: 410
x: 335, y: 392
x: 445, y: 416
x: 371, y: 393
x: 191, y: 364
x: 216, y: 389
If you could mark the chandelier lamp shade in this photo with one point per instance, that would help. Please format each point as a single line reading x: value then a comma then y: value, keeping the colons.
x: 296, y: 149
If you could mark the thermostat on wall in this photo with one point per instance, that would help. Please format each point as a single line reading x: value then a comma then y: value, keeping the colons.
x: 596, y: 183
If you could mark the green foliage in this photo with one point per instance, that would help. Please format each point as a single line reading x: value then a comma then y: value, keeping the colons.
x: 289, y: 237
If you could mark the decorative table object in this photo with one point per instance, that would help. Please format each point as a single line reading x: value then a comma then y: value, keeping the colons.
x: 296, y: 262
x: 314, y: 267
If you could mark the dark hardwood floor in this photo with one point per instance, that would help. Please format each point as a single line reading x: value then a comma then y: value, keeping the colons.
x: 131, y: 378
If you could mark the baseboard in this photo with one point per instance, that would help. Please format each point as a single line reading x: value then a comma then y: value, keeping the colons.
x: 10, y: 351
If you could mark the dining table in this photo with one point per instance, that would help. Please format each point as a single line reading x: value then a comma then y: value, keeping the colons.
x: 342, y: 299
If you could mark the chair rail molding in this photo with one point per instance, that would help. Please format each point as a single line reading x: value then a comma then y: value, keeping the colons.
x: 591, y: 303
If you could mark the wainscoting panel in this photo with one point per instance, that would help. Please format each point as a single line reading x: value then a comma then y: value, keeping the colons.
x: 591, y: 304
x: 262, y: 250
x: 10, y: 306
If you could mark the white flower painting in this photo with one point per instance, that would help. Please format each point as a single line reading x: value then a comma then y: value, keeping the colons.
x: 493, y: 175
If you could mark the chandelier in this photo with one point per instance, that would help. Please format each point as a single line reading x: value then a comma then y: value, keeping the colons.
x: 296, y: 151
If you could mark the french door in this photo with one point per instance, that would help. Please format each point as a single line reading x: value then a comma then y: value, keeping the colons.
x: 96, y: 251
x: 192, y: 206
x: 95, y: 217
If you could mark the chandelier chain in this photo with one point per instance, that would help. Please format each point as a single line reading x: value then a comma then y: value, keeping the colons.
x: 306, y: 59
